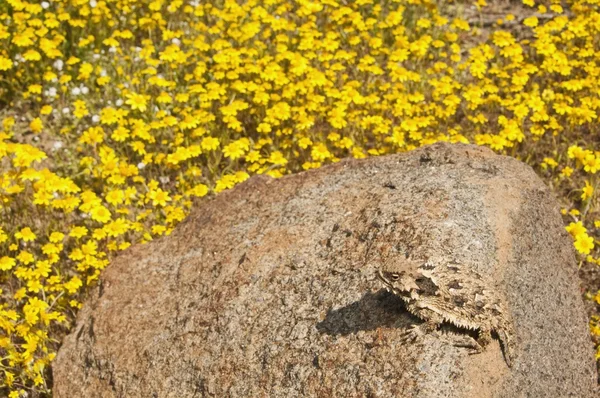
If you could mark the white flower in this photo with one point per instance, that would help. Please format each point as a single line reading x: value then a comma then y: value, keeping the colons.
x: 57, y: 145
x: 141, y: 165
x: 58, y: 64
x: 95, y: 118
x: 93, y: 3
x: 176, y: 41
x: 119, y: 102
x: 84, y: 90
x: 45, y: 4
x: 164, y: 180
x: 76, y: 91
x: 66, y: 110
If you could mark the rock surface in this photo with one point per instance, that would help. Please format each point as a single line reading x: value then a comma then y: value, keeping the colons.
x: 269, y: 290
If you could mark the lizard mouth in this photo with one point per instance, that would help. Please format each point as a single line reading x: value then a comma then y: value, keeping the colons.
x: 383, y: 278
x: 388, y: 285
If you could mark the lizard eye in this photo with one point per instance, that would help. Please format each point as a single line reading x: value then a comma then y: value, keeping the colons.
x: 394, y: 277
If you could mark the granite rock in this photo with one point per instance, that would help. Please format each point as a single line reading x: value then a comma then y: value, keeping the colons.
x: 269, y: 290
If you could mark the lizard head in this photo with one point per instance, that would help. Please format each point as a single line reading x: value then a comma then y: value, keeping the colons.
x: 399, y: 278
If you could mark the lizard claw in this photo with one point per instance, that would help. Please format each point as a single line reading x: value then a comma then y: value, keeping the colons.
x: 415, y: 332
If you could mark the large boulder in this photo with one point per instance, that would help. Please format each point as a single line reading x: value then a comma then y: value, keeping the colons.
x: 270, y: 290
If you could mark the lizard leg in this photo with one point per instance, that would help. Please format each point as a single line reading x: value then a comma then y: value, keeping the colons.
x: 463, y: 341
x: 432, y: 321
x: 418, y: 331
x: 483, y: 339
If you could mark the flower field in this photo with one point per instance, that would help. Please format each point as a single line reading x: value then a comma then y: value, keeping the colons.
x: 116, y: 115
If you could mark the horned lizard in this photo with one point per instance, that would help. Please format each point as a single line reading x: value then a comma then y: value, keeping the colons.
x: 448, y: 292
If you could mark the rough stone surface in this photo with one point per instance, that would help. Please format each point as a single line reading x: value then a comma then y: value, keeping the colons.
x: 269, y: 290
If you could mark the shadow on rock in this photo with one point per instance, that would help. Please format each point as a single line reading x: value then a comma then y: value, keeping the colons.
x: 372, y: 311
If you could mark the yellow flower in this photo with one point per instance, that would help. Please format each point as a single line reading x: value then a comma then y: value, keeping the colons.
x: 236, y: 149
x: 7, y: 263
x: 320, y: 152
x: 575, y: 152
x: 92, y: 136
x: 591, y: 163
x: 73, y: 285
x: 34, y: 285
x: 85, y: 71
x: 100, y: 213
x: 159, y: 197
x: 199, y: 190
x: 277, y: 158
x: 120, y: 134
x: 584, y: 243
x: 34, y: 89
x: 23, y: 39
x: 566, y: 171
x: 116, y: 228
x: 42, y: 269
x: 80, y: 109
x: 32, y: 55
x: 241, y: 176
x: 209, y: 143
x: 264, y: 128
x: 587, y: 191
x: 549, y: 162
x: 137, y: 101
x: 532, y: 22
x: 158, y: 229
x: 25, y: 234
x: 36, y: 125
x: 27, y: 154
x: 103, y: 80
x: 574, y: 212
x: 115, y: 197
x: 109, y: 115
x: 5, y: 63
x: 164, y: 98
x: 25, y: 257
x: 90, y: 248
x: 78, y: 232
x: 304, y: 142
x: 225, y: 182
x: 20, y: 294
x: 576, y: 228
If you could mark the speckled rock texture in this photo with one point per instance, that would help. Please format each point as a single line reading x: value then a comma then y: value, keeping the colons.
x: 269, y: 290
